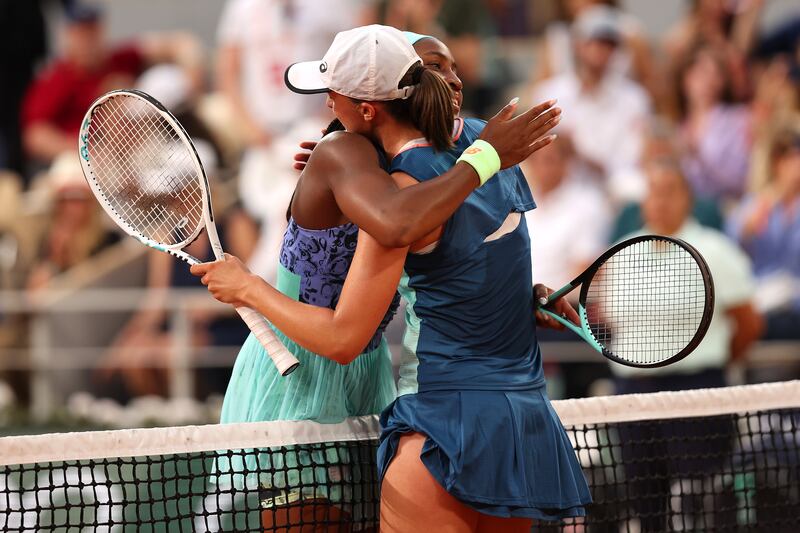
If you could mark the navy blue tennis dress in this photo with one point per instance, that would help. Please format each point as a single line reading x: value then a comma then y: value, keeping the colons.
x: 471, y: 374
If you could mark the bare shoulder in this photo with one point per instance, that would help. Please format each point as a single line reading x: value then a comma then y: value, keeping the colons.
x: 339, y: 159
x: 346, y: 147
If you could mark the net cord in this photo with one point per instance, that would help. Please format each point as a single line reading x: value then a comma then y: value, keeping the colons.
x: 193, y: 439
x: 679, y: 404
x: 184, y: 439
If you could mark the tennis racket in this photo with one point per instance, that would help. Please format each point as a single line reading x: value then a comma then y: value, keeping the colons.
x: 646, y: 302
x: 145, y: 172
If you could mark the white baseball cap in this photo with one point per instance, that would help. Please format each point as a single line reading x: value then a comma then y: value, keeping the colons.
x: 599, y: 22
x: 365, y: 63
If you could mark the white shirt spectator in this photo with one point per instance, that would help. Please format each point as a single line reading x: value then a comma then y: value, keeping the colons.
x: 560, y: 42
x: 272, y: 35
x: 607, y: 125
x: 569, y: 229
x: 733, y: 286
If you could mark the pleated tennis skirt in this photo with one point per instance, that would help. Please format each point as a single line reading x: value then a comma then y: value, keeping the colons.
x: 502, y: 453
x: 320, y: 390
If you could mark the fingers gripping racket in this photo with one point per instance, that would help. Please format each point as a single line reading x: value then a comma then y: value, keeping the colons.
x: 145, y: 172
x: 646, y: 302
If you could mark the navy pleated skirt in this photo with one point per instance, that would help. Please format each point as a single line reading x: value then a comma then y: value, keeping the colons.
x: 502, y: 453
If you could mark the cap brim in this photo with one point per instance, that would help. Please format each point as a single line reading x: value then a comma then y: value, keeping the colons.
x: 305, y: 78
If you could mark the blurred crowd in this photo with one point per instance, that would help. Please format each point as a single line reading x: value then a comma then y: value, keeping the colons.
x: 694, y: 134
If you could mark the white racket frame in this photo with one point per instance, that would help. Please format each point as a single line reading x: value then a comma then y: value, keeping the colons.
x: 284, y: 360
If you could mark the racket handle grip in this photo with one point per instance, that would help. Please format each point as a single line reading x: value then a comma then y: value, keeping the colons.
x: 284, y: 361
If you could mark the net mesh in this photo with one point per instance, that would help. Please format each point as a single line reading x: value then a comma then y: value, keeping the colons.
x: 645, y: 304
x: 712, y: 460
x: 143, y: 170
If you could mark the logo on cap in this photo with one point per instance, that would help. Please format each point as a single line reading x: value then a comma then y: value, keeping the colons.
x: 323, y: 67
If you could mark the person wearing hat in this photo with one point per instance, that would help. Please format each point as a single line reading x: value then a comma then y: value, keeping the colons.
x: 469, y: 292
x: 75, y: 230
x: 56, y: 101
x: 607, y: 112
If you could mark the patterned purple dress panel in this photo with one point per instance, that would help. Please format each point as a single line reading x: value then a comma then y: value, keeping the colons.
x: 321, y: 258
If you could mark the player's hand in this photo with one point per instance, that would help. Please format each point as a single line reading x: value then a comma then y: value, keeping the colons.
x: 227, y: 280
x: 516, y: 138
x: 301, y: 158
x: 561, y: 307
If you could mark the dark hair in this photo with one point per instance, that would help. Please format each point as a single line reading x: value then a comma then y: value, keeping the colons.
x: 429, y: 108
x: 335, y: 125
x: 727, y: 95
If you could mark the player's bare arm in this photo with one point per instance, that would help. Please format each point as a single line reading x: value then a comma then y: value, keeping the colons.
x: 368, y: 197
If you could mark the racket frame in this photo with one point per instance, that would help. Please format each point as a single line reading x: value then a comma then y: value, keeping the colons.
x: 585, y: 278
x: 175, y: 250
x: 286, y: 365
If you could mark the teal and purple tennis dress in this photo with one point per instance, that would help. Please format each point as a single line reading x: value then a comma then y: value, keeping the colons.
x: 313, y: 267
x: 471, y: 376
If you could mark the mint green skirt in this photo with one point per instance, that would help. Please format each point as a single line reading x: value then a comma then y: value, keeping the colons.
x: 320, y: 390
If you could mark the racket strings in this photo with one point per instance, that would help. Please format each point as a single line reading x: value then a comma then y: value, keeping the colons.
x: 146, y: 173
x: 646, y: 303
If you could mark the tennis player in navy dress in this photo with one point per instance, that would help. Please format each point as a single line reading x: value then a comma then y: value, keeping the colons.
x: 471, y: 378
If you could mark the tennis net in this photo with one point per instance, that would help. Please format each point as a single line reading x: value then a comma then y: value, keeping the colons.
x: 714, y: 459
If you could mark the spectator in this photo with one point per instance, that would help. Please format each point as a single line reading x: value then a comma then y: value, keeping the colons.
x: 716, y: 132
x: 736, y: 324
x: 776, y: 107
x: 57, y: 100
x: 258, y: 39
x: 472, y: 37
x: 170, y: 85
x: 10, y: 198
x: 776, y: 96
x: 76, y: 230
x: 512, y: 18
x: 767, y: 225
x: 136, y: 363
x: 605, y: 114
x: 11, y: 325
x: 659, y: 144
x: 418, y: 16
x: 729, y: 27
x: 23, y: 30
x: 556, y: 50
x: 570, y: 224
